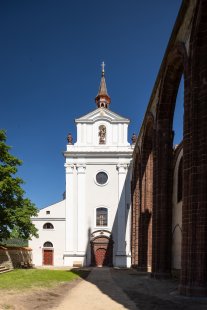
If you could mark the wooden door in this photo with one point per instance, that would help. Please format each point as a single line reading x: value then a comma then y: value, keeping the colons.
x: 100, y: 257
x: 47, y: 257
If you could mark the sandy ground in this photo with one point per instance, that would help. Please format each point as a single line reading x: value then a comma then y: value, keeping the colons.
x: 35, y: 299
x: 105, y: 288
x: 99, y: 292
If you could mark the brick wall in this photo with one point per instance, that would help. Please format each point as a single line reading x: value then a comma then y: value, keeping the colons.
x: 152, y: 186
x: 135, y: 189
x: 12, y: 257
x: 194, y: 249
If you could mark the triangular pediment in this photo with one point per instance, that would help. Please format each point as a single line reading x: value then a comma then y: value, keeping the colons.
x: 102, y: 114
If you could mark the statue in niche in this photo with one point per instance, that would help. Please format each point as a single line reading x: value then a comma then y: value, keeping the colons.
x: 70, y: 138
x: 102, y: 134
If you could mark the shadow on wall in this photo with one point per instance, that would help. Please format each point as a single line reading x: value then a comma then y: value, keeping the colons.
x: 144, y: 225
x: 15, y: 257
x: 121, y: 249
x: 110, y: 248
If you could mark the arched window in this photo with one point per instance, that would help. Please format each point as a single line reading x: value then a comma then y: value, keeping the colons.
x: 180, y: 181
x: 48, y: 226
x: 48, y: 244
x: 101, y: 217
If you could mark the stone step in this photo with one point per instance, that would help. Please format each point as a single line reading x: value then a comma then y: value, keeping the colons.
x: 4, y: 269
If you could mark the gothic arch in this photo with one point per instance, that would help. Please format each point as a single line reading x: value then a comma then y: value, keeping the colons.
x: 194, y: 243
x: 185, y: 54
x: 176, y: 65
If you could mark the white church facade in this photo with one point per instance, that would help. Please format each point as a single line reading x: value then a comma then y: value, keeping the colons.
x: 91, y: 226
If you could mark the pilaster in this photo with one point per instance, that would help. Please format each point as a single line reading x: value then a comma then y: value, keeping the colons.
x: 81, y: 199
x: 69, y: 237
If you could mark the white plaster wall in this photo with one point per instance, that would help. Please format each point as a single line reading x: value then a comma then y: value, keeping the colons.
x: 108, y: 196
x: 56, y: 235
x: 116, y: 134
x: 97, y: 196
x: 176, y: 220
x: 56, y: 210
x: 87, y: 195
x: 88, y: 128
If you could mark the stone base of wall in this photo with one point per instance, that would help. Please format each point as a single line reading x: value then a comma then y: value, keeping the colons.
x: 176, y: 273
x: 194, y: 291
x: 15, y: 257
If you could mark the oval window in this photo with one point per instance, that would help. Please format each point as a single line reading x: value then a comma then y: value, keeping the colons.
x: 101, y: 178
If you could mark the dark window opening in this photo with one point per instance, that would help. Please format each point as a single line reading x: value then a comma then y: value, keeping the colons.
x: 48, y: 226
x: 48, y: 244
x: 101, y: 178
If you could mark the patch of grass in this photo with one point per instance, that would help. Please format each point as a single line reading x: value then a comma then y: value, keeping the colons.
x: 6, y: 307
x: 27, y: 278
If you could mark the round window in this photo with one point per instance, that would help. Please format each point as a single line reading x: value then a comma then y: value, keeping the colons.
x: 101, y: 178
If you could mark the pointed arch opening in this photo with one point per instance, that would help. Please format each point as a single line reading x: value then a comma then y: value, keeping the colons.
x: 169, y: 116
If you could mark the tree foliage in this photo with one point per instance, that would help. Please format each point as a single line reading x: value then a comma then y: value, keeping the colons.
x: 15, y: 210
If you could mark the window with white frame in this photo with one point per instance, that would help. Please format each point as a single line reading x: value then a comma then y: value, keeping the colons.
x: 101, y: 217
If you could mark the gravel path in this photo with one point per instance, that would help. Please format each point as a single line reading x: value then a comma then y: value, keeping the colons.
x: 97, y: 292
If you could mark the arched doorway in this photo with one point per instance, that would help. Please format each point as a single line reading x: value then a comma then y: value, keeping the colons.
x: 100, y: 257
x: 47, y: 254
x: 101, y: 249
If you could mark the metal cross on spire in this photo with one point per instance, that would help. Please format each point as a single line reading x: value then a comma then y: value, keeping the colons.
x: 103, y: 65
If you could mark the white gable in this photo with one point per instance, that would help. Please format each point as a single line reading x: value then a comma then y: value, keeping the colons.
x: 89, y: 124
x: 102, y: 114
x: 52, y: 212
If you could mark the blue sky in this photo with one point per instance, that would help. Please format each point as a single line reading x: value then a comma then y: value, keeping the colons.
x: 50, y: 68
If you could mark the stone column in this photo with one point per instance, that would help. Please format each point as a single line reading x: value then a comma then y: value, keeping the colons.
x: 121, y: 214
x: 69, y: 235
x: 81, y: 230
x: 162, y: 209
x: 194, y: 216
